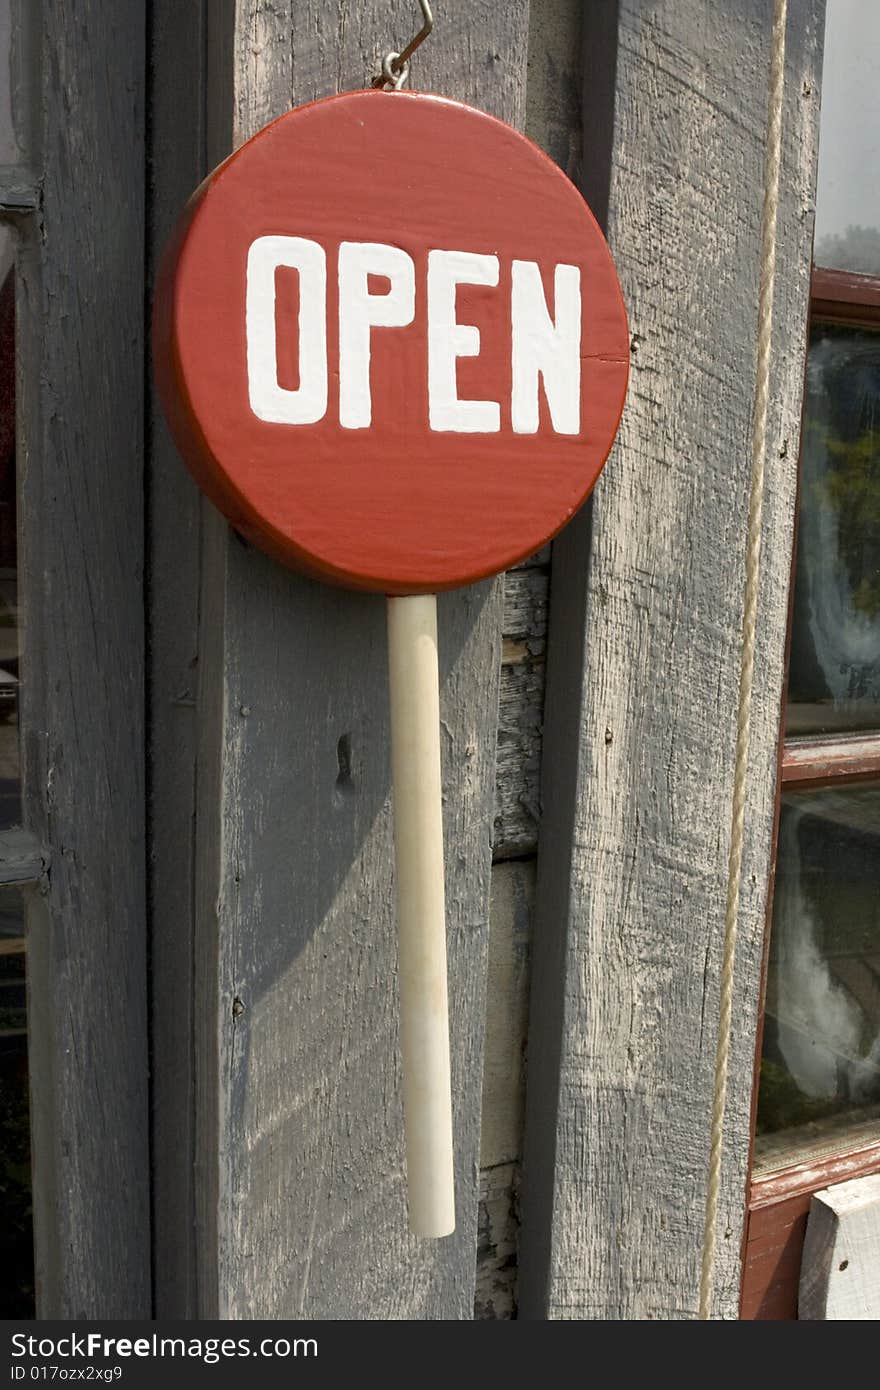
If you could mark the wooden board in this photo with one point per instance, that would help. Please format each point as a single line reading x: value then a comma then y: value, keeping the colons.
x: 553, y: 120
x: 513, y: 889
x: 80, y: 320
x: 840, y: 1269
x: 22, y: 858
x: 299, y: 1131
x: 177, y: 161
x: 772, y: 1259
x: 520, y: 714
x: 643, y: 668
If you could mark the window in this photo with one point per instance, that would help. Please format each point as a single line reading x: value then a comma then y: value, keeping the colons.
x: 818, y: 1093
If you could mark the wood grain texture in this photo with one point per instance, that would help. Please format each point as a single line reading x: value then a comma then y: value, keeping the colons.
x: 772, y: 1259
x: 510, y: 932
x: 299, y: 1124
x: 18, y: 193
x: 520, y: 714
x: 554, y: 91
x: 553, y: 120
x: 643, y: 671
x: 177, y: 160
x: 81, y: 340
x: 497, y: 1239
x: 510, y: 935
x: 840, y: 1268
x: 22, y: 858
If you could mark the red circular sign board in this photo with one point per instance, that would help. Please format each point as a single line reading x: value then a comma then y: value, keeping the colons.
x: 390, y: 341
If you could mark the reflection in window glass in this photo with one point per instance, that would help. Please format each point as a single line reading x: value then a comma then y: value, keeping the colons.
x: 16, y: 1235
x: 820, y: 1068
x: 848, y: 193
x: 10, y: 804
x: 10, y: 151
x: 16, y: 1227
x: 16, y: 1238
x: 834, y: 677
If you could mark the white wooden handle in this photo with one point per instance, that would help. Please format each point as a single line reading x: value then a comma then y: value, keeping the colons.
x: 421, y: 914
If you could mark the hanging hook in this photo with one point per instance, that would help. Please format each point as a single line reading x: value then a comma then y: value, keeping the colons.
x: 395, y: 66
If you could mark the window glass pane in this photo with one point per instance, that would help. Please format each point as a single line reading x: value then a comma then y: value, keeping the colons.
x: 848, y: 194
x: 820, y: 1067
x: 834, y: 675
x: 9, y: 149
x: 10, y: 799
x: 16, y: 1236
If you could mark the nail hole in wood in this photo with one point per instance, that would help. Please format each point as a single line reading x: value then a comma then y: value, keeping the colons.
x: 344, y: 781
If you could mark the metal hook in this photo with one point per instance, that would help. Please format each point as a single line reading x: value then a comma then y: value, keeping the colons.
x: 395, y: 66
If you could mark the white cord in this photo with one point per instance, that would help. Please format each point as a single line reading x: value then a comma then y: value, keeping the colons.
x: 772, y: 161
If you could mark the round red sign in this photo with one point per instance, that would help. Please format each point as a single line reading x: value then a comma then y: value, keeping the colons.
x: 390, y: 341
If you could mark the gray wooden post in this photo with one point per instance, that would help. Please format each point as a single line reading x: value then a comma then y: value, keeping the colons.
x: 177, y: 164
x: 646, y: 603
x: 80, y: 322
x: 287, y: 1059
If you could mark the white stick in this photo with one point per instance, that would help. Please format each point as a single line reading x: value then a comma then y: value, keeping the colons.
x: 421, y: 915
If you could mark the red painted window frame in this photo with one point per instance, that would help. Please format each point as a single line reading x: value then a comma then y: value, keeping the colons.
x: 778, y: 1202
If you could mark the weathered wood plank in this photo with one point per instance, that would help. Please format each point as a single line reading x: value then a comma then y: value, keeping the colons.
x: 553, y: 120
x: 177, y: 159
x: 80, y: 321
x: 298, y: 1110
x: 518, y: 769
x: 643, y: 670
x: 22, y: 858
x: 525, y: 609
x: 840, y: 1267
x: 553, y: 94
x: 510, y: 932
x: 497, y: 1237
x: 19, y: 193
x: 510, y: 935
x: 520, y: 714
